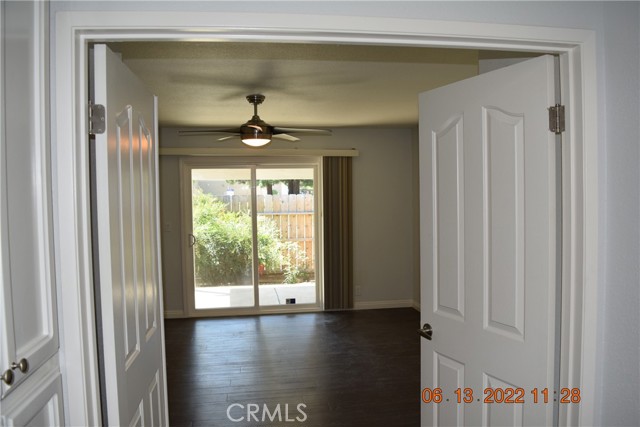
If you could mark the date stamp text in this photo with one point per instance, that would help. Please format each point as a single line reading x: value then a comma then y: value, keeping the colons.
x: 506, y: 395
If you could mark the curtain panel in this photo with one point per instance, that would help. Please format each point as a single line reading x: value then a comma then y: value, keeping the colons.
x: 338, y: 233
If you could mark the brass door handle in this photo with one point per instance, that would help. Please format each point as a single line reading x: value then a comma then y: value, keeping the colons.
x: 22, y: 365
x: 426, y: 331
x: 7, y: 377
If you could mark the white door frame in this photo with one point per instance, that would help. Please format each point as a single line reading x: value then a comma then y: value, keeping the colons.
x: 74, y: 30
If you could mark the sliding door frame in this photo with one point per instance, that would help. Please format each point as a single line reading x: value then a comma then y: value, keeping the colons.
x: 187, y: 164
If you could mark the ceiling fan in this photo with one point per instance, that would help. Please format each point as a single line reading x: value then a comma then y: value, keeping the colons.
x: 256, y: 132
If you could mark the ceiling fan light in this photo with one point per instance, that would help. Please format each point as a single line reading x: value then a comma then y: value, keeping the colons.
x: 256, y: 133
x: 255, y: 141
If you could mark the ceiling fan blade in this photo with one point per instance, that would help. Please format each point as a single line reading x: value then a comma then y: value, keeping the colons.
x: 208, y: 131
x: 285, y: 137
x: 280, y: 130
x: 225, y: 138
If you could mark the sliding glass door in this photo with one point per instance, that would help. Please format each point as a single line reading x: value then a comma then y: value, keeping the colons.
x: 252, y: 237
x: 222, y: 238
x: 286, y: 218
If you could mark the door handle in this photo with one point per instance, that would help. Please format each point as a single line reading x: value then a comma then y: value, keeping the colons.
x: 192, y: 240
x: 22, y: 365
x: 426, y: 331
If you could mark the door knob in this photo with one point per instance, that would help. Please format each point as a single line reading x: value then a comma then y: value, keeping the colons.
x: 7, y: 377
x: 426, y: 331
x: 22, y: 365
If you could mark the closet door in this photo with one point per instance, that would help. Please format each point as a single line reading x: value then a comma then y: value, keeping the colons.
x: 31, y: 385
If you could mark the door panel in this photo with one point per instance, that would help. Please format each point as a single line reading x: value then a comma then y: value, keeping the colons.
x: 503, y: 198
x: 448, y: 173
x: 129, y: 289
x: 37, y: 403
x: 450, y: 376
x: 28, y: 316
x: 488, y: 233
x: 501, y: 414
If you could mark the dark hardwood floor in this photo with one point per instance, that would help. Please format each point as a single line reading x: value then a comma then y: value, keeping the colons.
x: 350, y: 368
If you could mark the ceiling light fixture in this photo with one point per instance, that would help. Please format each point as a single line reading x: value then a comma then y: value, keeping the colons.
x: 256, y: 133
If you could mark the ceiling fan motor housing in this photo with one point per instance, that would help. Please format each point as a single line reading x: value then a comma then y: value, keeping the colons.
x: 255, y: 98
x: 256, y: 128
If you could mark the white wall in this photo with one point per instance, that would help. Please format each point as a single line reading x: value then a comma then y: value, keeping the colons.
x: 384, y: 204
x: 616, y: 31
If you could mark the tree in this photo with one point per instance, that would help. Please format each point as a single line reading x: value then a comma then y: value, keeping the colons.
x: 294, y: 185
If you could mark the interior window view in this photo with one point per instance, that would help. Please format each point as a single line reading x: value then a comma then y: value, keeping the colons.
x: 253, y: 247
x: 319, y: 214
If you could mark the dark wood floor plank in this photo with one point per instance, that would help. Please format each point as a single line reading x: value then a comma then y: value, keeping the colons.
x: 349, y: 369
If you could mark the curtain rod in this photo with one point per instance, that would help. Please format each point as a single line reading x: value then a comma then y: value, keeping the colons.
x: 179, y: 151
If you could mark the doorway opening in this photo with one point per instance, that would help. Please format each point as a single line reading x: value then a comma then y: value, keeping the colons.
x: 577, y: 48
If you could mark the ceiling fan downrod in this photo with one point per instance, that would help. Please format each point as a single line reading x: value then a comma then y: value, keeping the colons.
x: 255, y: 99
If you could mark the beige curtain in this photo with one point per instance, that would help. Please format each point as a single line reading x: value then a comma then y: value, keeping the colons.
x: 338, y: 235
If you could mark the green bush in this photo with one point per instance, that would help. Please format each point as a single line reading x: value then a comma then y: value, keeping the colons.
x: 223, y: 249
x: 298, y: 272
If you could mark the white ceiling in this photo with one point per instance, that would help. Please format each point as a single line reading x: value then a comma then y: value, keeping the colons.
x: 306, y: 85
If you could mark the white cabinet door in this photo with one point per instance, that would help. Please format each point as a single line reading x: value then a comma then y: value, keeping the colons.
x: 38, y: 401
x: 126, y: 207
x: 488, y: 233
x: 28, y: 310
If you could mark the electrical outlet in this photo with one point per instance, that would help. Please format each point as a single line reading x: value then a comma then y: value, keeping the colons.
x: 358, y: 290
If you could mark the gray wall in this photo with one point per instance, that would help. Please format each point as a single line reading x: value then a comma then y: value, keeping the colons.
x: 384, y: 206
x: 621, y: 232
x: 617, y: 39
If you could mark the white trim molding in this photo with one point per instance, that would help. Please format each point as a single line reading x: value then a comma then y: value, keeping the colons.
x: 75, y: 30
x: 244, y: 152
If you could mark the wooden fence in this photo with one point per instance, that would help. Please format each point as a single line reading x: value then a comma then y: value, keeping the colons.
x: 294, y: 214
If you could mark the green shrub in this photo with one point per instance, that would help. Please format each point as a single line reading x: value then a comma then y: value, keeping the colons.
x: 298, y: 272
x: 223, y: 249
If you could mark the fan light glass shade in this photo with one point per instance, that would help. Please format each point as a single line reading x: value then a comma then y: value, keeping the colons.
x: 254, y: 141
x: 256, y: 133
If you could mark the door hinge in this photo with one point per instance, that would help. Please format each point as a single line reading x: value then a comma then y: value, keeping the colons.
x: 96, y: 119
x: 556, y: 119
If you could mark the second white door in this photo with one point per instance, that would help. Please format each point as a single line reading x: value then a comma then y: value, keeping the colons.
x: 488, y: 235
x: 126, y: 230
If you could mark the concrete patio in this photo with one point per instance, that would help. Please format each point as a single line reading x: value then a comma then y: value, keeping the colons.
x: 242, y: 296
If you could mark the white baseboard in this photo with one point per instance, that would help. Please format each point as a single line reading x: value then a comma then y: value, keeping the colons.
x: 370, y: 305
x: 362, y: 305
x: 174, y: 314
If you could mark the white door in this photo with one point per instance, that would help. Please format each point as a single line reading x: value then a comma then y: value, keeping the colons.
x: 125, y: 203
x: 30, y: 381
x: 488, y: 239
